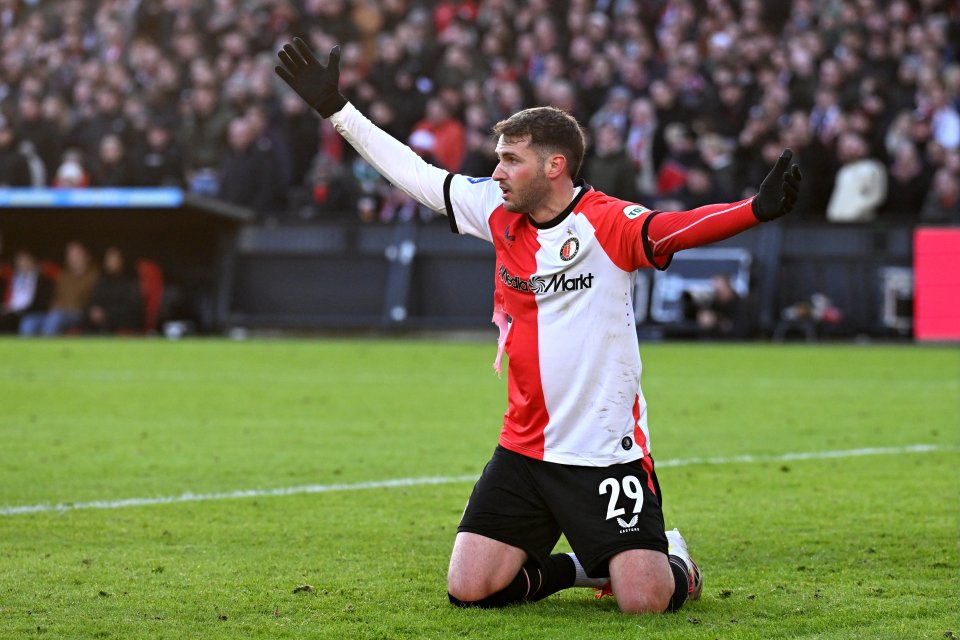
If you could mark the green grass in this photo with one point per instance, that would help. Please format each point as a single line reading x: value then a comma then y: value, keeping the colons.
x: 851, y: 547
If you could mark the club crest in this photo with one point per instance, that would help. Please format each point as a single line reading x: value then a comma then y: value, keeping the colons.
x: 569, y: 249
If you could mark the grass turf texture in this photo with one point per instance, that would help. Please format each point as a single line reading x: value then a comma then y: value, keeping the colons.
x: 859, y: 547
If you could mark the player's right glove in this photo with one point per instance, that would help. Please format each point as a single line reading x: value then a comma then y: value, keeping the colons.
x: 317, y: 84
x: 779, y: 190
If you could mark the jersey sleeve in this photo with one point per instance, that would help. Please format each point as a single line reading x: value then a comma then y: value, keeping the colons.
x: 469, y: 203
x: 635, y: 237
x: 392, y: 159
x: 671, y: 231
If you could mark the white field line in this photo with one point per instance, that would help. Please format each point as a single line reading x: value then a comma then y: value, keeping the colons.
x: 431, y: 480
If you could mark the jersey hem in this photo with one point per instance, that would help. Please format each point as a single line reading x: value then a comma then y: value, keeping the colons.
x: 574, y: 460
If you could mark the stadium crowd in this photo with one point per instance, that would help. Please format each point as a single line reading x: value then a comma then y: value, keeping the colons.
x: 684, y: 101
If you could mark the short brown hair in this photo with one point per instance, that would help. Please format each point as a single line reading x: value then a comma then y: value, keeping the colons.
x: 550, y: 130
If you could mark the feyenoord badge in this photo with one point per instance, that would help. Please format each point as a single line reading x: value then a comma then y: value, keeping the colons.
x: 569, y: 249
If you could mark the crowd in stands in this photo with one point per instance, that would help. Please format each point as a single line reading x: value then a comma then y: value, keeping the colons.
x: 684, y: 101
x: 43, y: 298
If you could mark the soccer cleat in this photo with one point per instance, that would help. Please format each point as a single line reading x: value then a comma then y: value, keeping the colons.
x: 678, y: 547
x: 605, y: 590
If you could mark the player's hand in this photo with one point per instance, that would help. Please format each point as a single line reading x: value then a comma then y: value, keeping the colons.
x: 779, y: 190
x: 317, y: 84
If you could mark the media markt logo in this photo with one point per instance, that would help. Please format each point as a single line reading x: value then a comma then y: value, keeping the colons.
x: 634, y: 211
x: 569, y: 249
x: 545, y: 284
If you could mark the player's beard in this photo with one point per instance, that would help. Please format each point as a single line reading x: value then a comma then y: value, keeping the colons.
x: 528, y: 199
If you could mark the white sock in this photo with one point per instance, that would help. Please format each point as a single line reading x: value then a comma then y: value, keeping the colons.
x: 582, y: 579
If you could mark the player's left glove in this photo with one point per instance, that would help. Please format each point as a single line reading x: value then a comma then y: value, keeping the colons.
x: 779, y: 190
x: 318, y: 85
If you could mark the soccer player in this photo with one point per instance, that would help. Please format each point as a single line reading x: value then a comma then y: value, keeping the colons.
x: 574, y: 450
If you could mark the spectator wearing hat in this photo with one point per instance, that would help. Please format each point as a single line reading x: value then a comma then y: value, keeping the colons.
x: 71, y: 174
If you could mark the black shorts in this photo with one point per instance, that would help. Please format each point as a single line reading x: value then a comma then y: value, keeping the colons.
x: 602, y: 511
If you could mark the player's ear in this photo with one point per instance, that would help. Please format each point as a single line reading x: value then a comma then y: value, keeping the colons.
x: 555, y: 165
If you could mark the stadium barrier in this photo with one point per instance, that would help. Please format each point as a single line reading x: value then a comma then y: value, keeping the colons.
x: 228, y: 272
x: 331, y: 275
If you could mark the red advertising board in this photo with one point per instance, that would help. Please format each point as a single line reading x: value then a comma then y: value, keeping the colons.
x: 936, y: 272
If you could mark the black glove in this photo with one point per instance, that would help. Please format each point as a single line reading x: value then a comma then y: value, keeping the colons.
x: 318, y: 85
x: 779, y: 190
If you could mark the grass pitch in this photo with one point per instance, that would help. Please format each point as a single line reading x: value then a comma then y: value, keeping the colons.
x: 852, y: 546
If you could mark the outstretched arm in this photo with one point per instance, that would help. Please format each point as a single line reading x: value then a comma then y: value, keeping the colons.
x: 673, y: 231
x: 318, y: 85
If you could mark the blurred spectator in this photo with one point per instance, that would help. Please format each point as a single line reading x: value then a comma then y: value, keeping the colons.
x: 720, y: 314
x: 808, y: 318
x: 28, y: 290
x: 449, y: 137
x: 333, y: 191
x: 861, y: 182
x: 112, y: 168
x: 203, y: 139
x: 107, y: 118
x: 698, y: 190
x: 33, y: 126
x: 681, y: 155
x: 615, y: 112
x: 300, y: 129
x: 270, y: 141
x: 481, y: 156
x: 71, y: 294
x: 716, y: 154
x: 71, y: 173
x: 909, y: 183
x: 641, y: 131
x: 161, y: 162
x: 944, y: 118
x: 116, y: 302
x: 247, y: 170
x: 608, y: 168
x: 14, y: 167
x: 942, y: 203
x: 733, y: 75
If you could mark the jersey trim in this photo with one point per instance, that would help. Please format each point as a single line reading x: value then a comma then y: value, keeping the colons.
x: 448, y: 203
x: 560, y: 217
x: 648, y: 248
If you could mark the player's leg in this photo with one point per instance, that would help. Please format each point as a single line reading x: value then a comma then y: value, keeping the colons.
x: 501, y: 555
x: 641, y: 581
x: 487, y: 573
x: 614, y: 522
x: 481, y: 566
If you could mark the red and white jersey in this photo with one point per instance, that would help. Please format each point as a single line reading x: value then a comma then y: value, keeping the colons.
x: 574, y: 369
x: 567, y: 286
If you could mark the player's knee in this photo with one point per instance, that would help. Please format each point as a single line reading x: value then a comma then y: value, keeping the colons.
x: 650, y: 598
x: 464, y: 591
